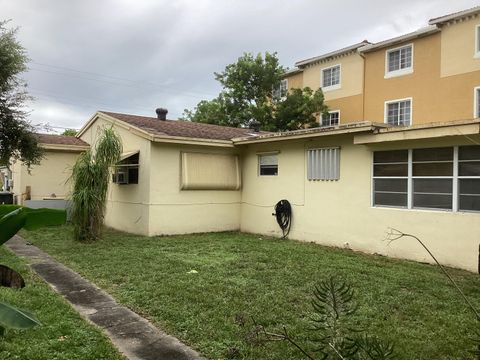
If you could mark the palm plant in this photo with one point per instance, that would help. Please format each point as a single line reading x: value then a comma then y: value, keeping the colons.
x: 90, y: 178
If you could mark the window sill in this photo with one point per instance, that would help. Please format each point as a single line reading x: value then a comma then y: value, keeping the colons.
x: 426, y: 210
x: 331, y: 88
x: 397, y: 73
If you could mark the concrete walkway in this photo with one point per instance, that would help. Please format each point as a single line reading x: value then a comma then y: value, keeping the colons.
x: 133, y: 335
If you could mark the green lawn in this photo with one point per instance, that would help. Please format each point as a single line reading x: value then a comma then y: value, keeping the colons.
x: 271, y: 280
x: 63, y: 334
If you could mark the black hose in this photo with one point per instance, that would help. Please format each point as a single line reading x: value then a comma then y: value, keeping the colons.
x: 283, y: 213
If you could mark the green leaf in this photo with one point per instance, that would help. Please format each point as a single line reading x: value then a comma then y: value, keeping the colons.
x: 13, y: 318
x: 5, y: 209
x: 11, y: 223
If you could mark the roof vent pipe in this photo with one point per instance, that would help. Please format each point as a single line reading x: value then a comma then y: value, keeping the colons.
x: 161, y: 113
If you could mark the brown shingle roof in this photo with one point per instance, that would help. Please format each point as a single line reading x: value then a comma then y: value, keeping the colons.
x: 50, y: 139
x: 181, y: 128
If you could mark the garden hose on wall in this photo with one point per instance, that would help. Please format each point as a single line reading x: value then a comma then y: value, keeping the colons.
x: 283, y: 213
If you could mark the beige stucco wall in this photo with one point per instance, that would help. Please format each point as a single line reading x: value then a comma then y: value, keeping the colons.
x: 295, y: 81
x: 47, y: 178
x: 351, y: 78
x: 127, y: 205
x: 458, y: 48
x: 434, y: 98
x: 339, y: 213
x: 176, y: 211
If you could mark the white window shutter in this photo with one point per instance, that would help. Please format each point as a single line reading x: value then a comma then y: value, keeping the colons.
x: 323, y: 164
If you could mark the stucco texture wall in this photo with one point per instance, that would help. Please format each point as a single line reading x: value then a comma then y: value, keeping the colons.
x: 434, y: 98
x: 340, y: 213
x: 46, y: 179
x: 127, y: 205
x: 176, y: 211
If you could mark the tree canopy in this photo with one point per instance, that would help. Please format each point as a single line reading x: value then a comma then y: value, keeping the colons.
x: 17, y: 135
x: 249, y: 94
x: 69, y: 132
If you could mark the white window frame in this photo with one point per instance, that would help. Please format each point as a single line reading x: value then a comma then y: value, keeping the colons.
x: 331, y: 87
x: 476, y: 102
x: 476, y: 47
x: 385, y: 108
x: 283, y: 81
x: 455, y: 185
x: 330, y: 112
x: 270, y: 153
x: 400, y: 72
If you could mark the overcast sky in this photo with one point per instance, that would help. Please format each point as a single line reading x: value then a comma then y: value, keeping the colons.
x: 133, y: 56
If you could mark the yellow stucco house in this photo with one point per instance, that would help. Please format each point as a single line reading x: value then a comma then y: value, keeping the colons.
x: 400, y: 148
x: 47, y: 182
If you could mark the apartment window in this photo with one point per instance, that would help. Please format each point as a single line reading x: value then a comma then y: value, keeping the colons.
x: 331, y: 119
x: 437, y: 178
x: 331, y: 78
x: 398, y: 112
x: 399, y: 61
x: 476, y: 102
x: 323, y: 164
x: 268, y: 165
x: 281, y: 91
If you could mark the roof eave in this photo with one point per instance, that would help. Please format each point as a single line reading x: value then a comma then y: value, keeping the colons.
x: 455, y: 16
x: 310, y: 133
x: 192, y: 141
x: 65, y: 147
x: 400, y: 39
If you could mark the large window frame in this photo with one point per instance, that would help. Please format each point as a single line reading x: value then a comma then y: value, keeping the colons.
x: 407, y: 179
x: 398, y: 101
x: 331, y: 85
x: 405, y: 70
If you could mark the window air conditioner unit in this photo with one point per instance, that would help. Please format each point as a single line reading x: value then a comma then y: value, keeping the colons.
x: 121, y: 176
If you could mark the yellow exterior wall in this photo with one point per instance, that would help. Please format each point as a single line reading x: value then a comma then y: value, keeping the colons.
x: 46, y: 179
x: 339, y: 213
x: 295, y: 81
x: 176, y: 211
x: 127, y: 205
x: 351, y: 108
x: 458, y: 48
x: 434, y: 99
x: 351, y: 79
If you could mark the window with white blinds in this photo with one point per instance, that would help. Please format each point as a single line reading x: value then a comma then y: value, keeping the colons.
x: 323, y: 164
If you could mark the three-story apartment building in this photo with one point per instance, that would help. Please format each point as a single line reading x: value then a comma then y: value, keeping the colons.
x: 428, y: 76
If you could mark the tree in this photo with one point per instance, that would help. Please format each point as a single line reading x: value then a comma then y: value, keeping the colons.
x: 69, y: 132
x: 90, y: 176
x: 17, y: 135
x: 248, y: 95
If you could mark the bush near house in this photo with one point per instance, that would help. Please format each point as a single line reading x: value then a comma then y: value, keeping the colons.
x: 240, y: 275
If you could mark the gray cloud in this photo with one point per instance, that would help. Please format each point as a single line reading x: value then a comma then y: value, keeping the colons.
x: 133, y: 56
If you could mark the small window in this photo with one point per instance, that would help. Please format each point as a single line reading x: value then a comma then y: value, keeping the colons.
x: 331, y: 78
x: 399, y: 61
x: 331, y: 119
x: 323, y: 164
x: 268, y: 165
x: 398, y: 112
x: 281, y: 91
x: 476, y: 102
x: 126, y: 170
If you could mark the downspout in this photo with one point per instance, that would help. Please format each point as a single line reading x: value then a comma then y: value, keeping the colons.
x: 363, y: 85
